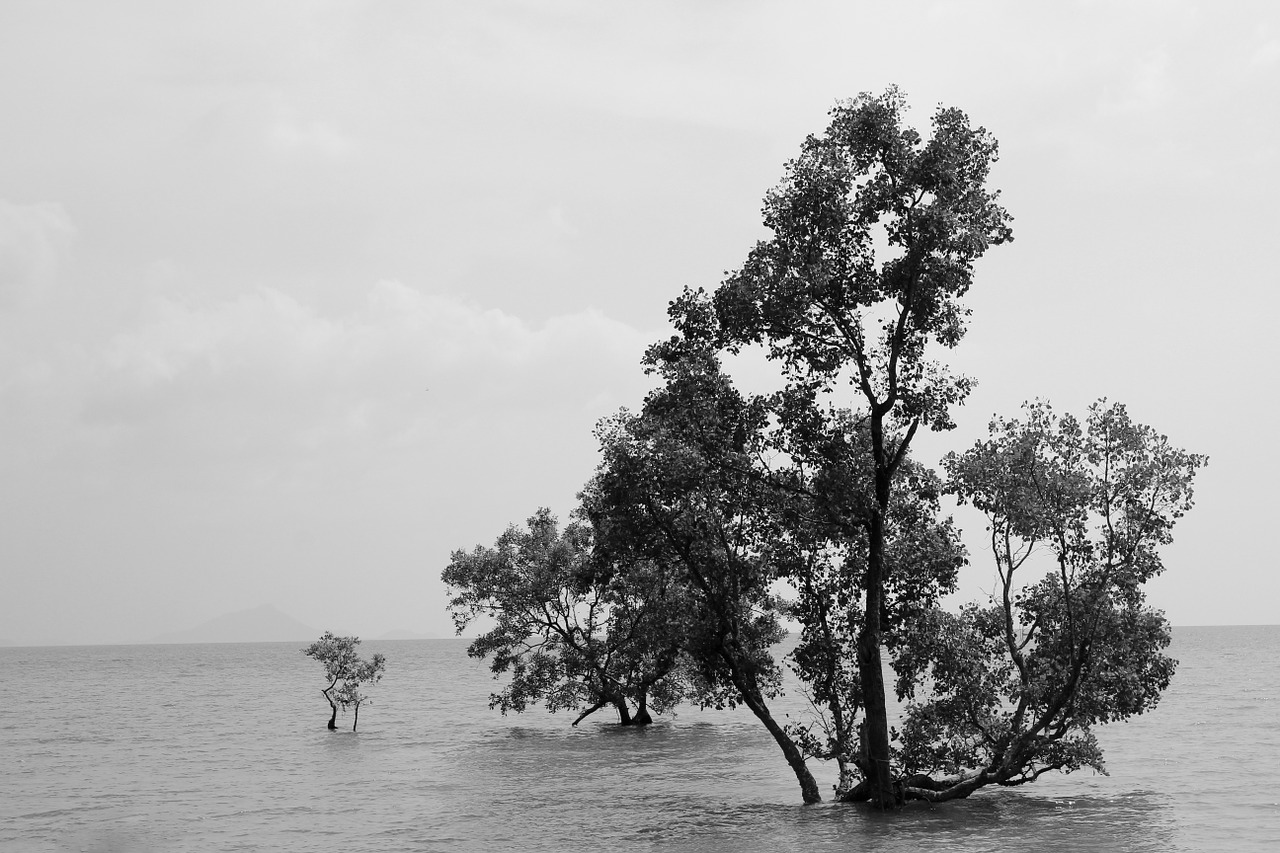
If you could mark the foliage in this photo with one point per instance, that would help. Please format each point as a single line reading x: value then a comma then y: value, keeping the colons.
x: 675, y: 489
x: 875, y: 232
x: 824, y: 566
x: 573, y: 631
x: 349, y: 694
x: 806, y: 504
x: 346, y: 671
x: 1005, y: 692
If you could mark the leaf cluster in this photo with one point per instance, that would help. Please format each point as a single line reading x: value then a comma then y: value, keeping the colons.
x: 1006, y: 691
x: 875, y: 233
x: 573, y: 629
x: 344, y: 669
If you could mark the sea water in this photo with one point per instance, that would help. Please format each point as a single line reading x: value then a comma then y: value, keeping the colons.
x: 224, y: 747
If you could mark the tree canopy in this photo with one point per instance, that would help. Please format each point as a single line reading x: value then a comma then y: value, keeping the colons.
x: 674, y: 489
x: 1008, y: 690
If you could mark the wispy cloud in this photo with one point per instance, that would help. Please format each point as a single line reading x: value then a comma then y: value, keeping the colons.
x: 1267, y: 55
x: 265, y: 377
x: 1145, y: 86
x: 33, y: 239
x: 317, y: 137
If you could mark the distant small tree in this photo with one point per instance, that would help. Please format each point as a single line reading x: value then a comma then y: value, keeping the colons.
x: 346, y: 671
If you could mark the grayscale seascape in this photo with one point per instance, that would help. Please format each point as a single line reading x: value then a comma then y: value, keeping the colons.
x: 224, y: 747
x: 649, y: 356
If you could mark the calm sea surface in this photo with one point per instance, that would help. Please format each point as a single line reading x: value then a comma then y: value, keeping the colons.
x: 224, y: 747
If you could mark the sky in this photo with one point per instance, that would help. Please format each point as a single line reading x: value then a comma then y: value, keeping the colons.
x: 296, y: 298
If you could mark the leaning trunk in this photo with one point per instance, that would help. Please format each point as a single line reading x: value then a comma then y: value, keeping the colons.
x: 624, y: 713
x: 589, y: 711
x: 333, y: 718
x: 791, y: 752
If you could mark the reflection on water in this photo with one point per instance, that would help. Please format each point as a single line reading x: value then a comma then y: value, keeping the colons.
x: 194, y: 748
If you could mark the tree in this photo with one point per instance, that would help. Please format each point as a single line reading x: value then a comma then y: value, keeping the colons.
x: 673, y: 489
x: 806, y: 503
x: 1005, y: 692
x: 875, y: 232
x: 705, y: 479
x: 573, y: 630
x: 824, y: 564
x: 345, y: 671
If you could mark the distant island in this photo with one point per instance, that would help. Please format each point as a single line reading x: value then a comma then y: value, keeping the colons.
x: 264, y: 624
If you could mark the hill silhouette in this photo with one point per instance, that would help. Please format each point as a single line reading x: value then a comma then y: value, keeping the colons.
x: 263, y: 624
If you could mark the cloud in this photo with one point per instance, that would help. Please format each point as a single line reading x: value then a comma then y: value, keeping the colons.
x: 188, y: 445
x: 33, y: 240
x: 1145, y: 86
x: 1266, y: 55
x: 266, y: 385
x: 316, y: 137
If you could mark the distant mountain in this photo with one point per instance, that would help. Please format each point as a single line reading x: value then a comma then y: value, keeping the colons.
x: 263, y: 624
x: 402, y: 634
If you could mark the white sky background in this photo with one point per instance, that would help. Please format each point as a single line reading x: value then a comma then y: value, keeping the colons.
x: 296, y: 298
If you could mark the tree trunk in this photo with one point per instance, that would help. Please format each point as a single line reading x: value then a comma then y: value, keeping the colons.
x: 624, y: 713
x: 333, y: 718
x: 588, y: 712
x: 355, y: 722
x: 791, y: 752
x: 642, y: 716
x: 879, y: 769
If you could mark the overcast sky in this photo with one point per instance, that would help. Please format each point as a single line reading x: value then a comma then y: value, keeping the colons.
x: 297, y: 298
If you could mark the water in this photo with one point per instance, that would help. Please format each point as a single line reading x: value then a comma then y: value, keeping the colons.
x: 224, y: 747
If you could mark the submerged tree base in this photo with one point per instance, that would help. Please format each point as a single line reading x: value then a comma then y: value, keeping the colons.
x: 915, y: 787
x: 922, y: 787
x: 641, y: 717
